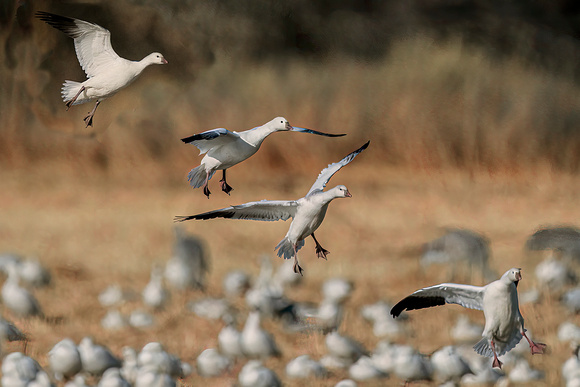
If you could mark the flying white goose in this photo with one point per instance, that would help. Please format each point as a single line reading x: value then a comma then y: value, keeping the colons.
x: 504, y: 324
x: 106, y: 71
x: 224, y: 149
x: 307, y: 212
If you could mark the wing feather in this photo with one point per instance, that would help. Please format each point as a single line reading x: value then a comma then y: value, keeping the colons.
x: 264, y: 210
x: 92, y: 42
x: 467, y: 296
x: 329, y: 171
x: 210, y: 139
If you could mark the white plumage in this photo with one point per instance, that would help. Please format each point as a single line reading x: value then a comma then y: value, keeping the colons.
x: 307, y: 212
x: 107, y: 72
x: 254, y: 374
x: 18, y: 299
x: 504, y: 324
x: 211, y: 363
x: 256, y: 342
x: 64, y: 359
x: 303, y: 367
x: 224, y: 149
x: 95, y: 358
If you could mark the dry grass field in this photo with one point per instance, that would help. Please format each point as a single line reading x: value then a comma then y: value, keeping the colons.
x: 92, y: 231
x: 458, y: 138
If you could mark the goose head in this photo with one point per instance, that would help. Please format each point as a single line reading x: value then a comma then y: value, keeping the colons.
x: 279, y: 124
x: 155, y: 58
x: 341, y: 192
x: 513, y: 275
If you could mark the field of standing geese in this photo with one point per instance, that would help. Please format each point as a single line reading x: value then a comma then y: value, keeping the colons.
x: 209, y: 303
x: 128, y: 258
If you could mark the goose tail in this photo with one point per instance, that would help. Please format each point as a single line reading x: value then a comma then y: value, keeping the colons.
x: 70, y: 89
x: 196, y: 176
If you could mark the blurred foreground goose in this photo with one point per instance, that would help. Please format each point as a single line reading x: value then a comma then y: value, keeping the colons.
x: 255, y: 342
x: 504, y: 324
x: 224, y: 149
x: 64, y: 359
x: 18, y: 299
x: 95, y: 358
x: 106, y: 71
x: 307, y: 212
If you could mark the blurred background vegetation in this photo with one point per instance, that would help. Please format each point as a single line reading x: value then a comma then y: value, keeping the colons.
x: 475, y: 85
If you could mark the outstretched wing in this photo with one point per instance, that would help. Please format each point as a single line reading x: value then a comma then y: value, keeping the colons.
x: 329, y: 171
x: 311, y: 131
x: 467, y: 296
x: 92, y: 42
x: 210, y: 139
x: 265, y: 210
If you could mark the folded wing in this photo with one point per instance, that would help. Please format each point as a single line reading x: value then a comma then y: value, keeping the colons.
x: 467, y: 296
x: 210, y: 139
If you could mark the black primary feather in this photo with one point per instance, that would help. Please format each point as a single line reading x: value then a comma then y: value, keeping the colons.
x: 414, y: 302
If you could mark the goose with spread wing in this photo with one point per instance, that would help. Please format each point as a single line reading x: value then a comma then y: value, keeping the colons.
x: 224, y: 149
x: 504, y: 324
x: 106, y: 71
x: 307, y: 212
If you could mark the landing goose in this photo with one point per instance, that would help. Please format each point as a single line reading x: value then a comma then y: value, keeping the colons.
x: 307, y: 212
x: 106, y: 71
x: 224, y: 149
x: 504, y: 324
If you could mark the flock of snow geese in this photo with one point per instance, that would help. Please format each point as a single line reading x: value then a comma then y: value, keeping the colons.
x: 265, y: 296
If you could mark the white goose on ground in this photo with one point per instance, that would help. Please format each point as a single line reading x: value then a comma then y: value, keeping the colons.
x: 504, y: 324
x: 224, y: 149
x: 307, y: 212
x: 106, y: 71
x: 255, y: 341
x: 18, y: 299
x: 64, y: 359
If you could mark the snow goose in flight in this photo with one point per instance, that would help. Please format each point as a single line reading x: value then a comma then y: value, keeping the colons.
x: 504, y: 324
x: 106, y: 71
x: 307, y: 212
x: 224, y: 149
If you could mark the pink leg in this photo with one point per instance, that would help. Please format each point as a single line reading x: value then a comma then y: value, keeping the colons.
x: 89, y: 119
x: 537, y: 348
x: 321, y: 252
x: 69, y: 103
x: 496, y: 362
x: 225, y: 186
x: 297, y: 268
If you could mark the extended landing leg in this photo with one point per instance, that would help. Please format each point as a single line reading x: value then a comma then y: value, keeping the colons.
x: 537, y: 348
x: 496, y: 362
x: 206, y: 191
x: 70, y: 103
x: 225, y: 187
x: 321, y: 252
x: 297, y: 268
x: 89, y: 119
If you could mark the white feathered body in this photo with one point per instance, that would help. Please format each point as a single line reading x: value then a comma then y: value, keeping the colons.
x: 502, y: 319
x: 225, y: 155
x: 310, y: 213
x: 103, y: 85
x: 309, y: 217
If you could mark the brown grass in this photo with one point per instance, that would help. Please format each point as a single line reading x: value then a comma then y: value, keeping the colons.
x: 457, y: 139
x: 92, y: 232
x: 427, y: 105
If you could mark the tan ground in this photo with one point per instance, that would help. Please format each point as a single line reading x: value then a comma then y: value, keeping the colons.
x: 92, y: 230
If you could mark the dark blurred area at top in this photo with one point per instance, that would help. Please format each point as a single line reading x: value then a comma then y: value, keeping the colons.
x: 192, y: 33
